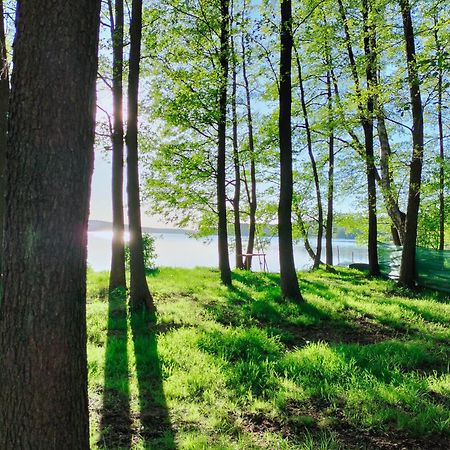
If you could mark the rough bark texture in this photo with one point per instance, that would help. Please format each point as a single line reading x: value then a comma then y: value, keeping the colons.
x: 318, y: 253
x: 251, y: 193
x: 43, y: 375
x: 4, y: 102
x: 237, y: 167
x: 140, y: 296
x: 117, y: 275
x: 330, y: 193
x: 408, y: 265
x: 288, y: 275
x: 224, y: 259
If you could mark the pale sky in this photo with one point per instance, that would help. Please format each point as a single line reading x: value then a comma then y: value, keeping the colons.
x: 101, y: 204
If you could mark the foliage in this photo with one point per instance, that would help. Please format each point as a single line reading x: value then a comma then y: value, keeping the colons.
x: 150, y: 255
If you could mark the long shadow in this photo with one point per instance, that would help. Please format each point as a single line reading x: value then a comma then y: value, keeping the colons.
x: 156, y: 427
x: 115, y: 423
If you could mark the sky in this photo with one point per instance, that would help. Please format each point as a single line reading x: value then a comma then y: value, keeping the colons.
x: 101, y: 197
x: 101, y: 203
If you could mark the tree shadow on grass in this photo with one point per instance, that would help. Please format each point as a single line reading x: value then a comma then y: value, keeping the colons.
x: 156, y: 428
x: 115, y: 423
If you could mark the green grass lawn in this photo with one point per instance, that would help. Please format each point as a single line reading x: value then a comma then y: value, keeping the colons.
x: 361, y: 365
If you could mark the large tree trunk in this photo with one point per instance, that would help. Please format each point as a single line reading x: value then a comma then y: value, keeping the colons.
x: 224, y: 260
x: 43, y: 366
x: 251, y: 147
x: 117, y: 275
x: 237, y: 167
x: 318, y: 253
x: 408, y: 265
x: 288, y: 275
x: 4, y: 101
x: 140, y: 296
x: 330, y: 193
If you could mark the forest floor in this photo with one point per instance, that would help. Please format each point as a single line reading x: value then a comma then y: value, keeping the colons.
x: 361, y: 365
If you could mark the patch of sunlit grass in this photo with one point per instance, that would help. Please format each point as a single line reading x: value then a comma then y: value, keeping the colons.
x: 241, y: 368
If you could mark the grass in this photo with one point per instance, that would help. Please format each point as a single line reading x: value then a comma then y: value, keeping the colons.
x: 362, y: 364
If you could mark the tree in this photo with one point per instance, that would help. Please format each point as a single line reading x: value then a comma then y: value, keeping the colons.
x: 440, y: 69
x: 4, y: 100
x: 330, y: 190
x: 140, y: 296
x: 408, y: 264
x: 43, y: 367
x: 236, y: 162
x: 365, y: 113
x: 224, y: 262
x: 309, y: 144
x: 251, y: 192
x: 288, y: 276
x: 117, y: 275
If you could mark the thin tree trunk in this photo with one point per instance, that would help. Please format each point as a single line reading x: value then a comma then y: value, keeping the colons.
x: 251, y: 147
x: 4, y: 101
x: 374, y: 268
x: 441, y: 143
x: 318, y: 253
x: 237, y: 166
x: 43, y: 364
x: 224, y: 260
x: 140, y: 296
x: 330, y: 194
x: 366, y: 119
x: 117, y: 275
x: 288, y: 276
x: 408, y: 265
x: 304, y: 233
x: 386, y: 180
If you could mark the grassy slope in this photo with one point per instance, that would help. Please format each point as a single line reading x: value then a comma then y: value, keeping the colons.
x: 360, y: 365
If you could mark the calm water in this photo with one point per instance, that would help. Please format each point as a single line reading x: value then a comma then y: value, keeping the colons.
x: 180, y: 250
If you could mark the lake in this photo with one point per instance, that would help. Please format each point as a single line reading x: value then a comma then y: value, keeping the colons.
x: 181, y: 250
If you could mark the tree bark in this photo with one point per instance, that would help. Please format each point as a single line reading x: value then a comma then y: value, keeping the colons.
x: 408, y: 264
x: 318, y: 253
x: 117, y: 275
x: 237, y: 166
x: 224, y: 260
x: 140, y: 296
x: 288, y: 276
x: 43, y: 364
x: 4, y: 103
